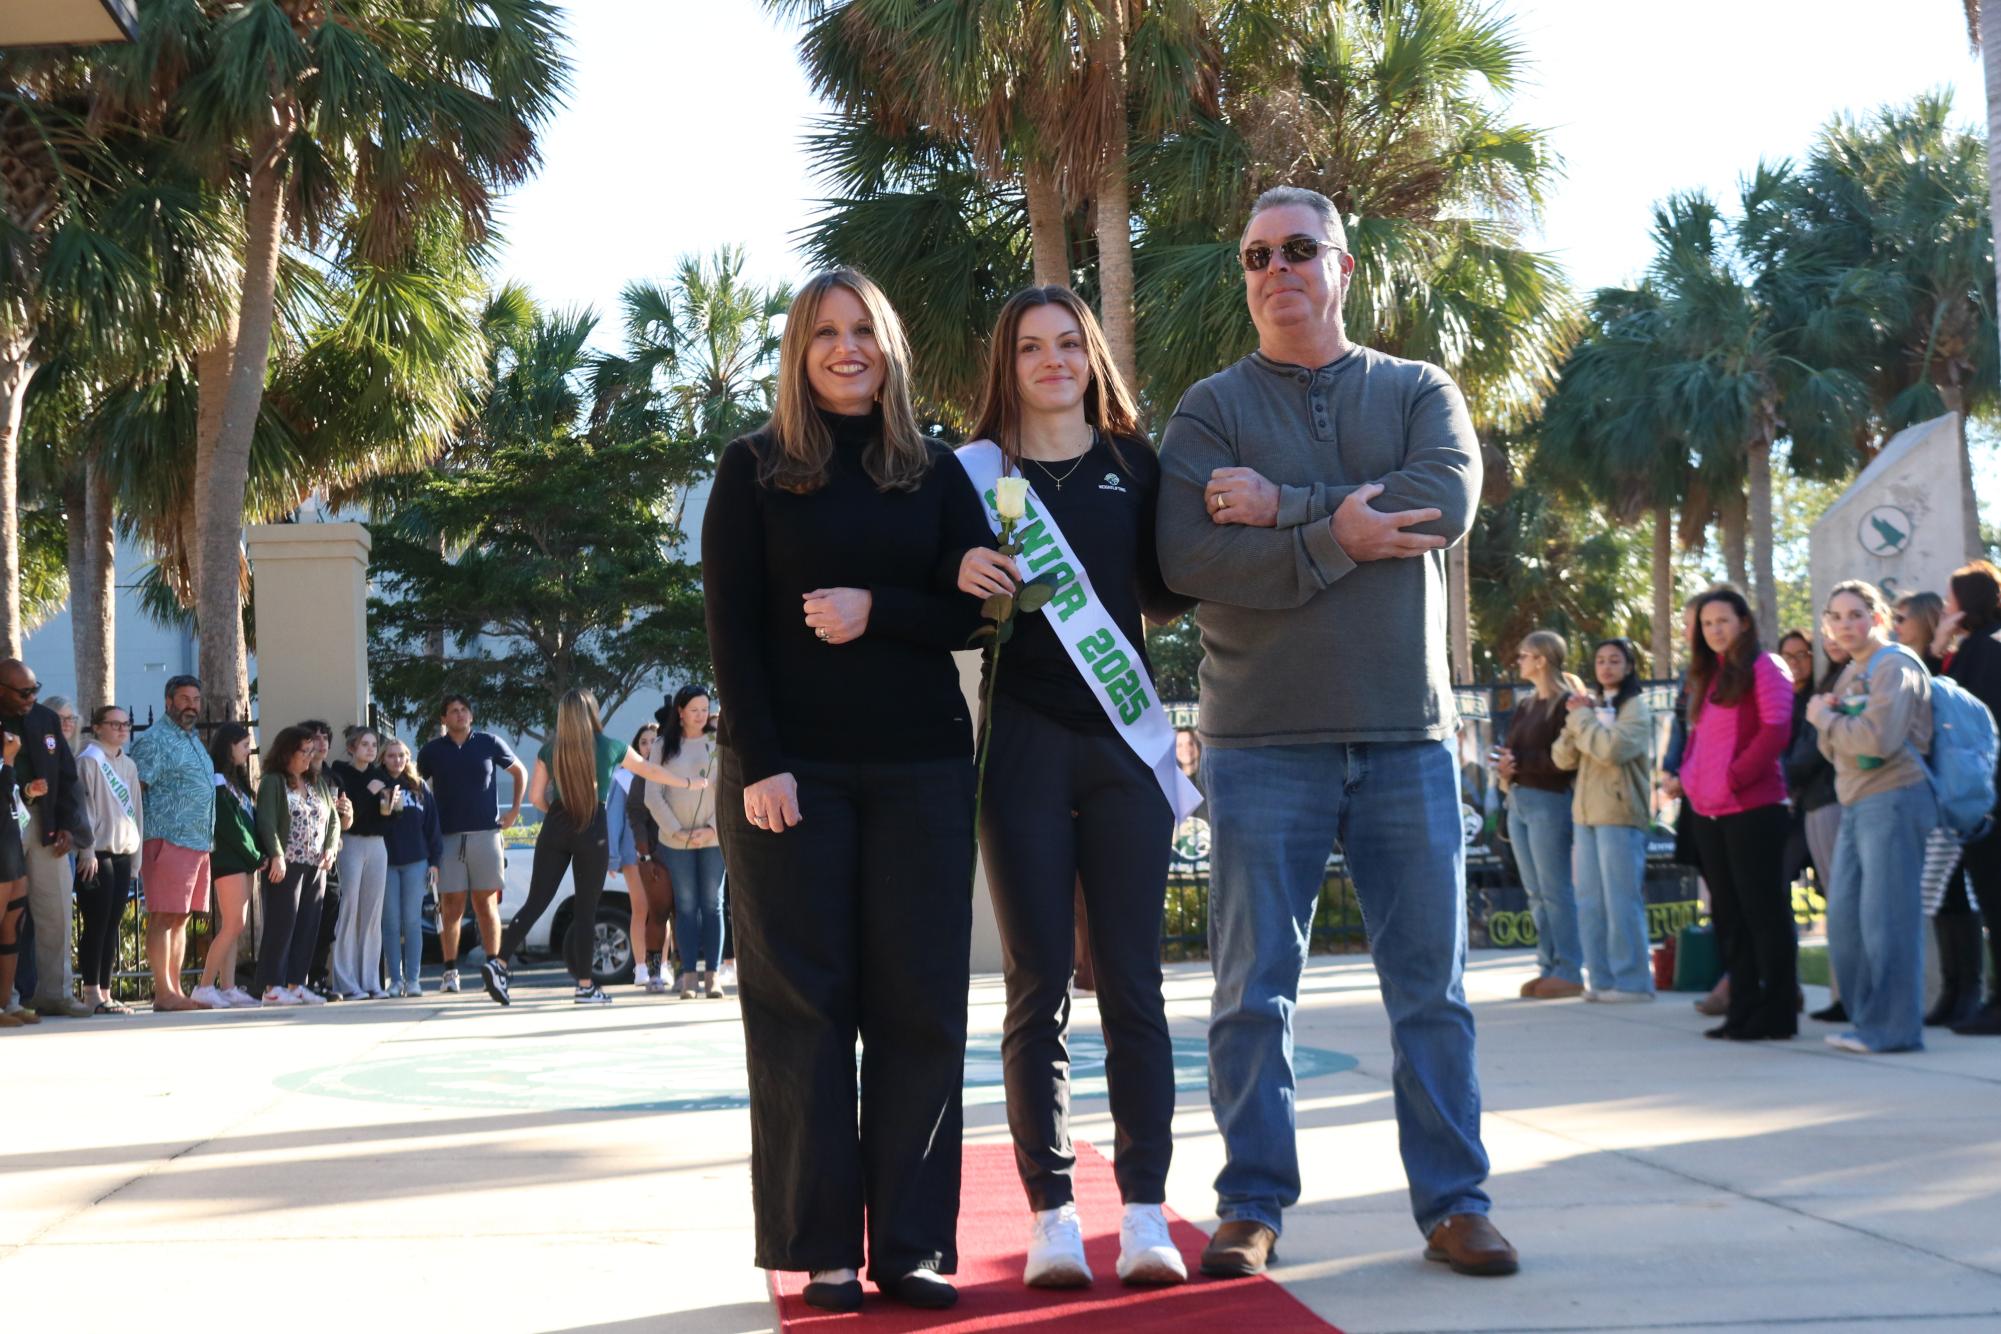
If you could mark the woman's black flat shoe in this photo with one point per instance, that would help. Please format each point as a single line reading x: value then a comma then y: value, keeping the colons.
x: 924, y: 1291
x: 835, y: 1296
x: 1836, y: 1013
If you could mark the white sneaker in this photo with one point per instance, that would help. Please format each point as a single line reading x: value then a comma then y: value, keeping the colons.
x: 238, y: 997
x: 301, y: 996
x: 279, y: 996
x: 1056, y: 1250
x: 1147, y: 1253
x: 641, y: 976
x: 1625, y: 997
x: 413, y: 988
x: 450, y: 981
x: 726, y: 973
x: 209, y: 997
x: 1849, y: 1042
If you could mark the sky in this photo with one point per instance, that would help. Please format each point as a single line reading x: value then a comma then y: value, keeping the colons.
x: 684, y: 125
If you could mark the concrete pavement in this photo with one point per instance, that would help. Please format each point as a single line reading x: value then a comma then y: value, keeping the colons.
x: 423, y: 1164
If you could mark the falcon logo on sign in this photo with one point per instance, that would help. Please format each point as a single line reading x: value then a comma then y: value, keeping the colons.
x: 1886, y: 531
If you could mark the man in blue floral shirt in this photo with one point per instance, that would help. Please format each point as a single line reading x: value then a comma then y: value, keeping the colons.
x: 179, y: 779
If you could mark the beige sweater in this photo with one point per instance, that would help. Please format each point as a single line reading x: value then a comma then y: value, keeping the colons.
x: 1896, y: 715
x: 112, y: 830
x: 678, y: 811
x: 1613, y: 764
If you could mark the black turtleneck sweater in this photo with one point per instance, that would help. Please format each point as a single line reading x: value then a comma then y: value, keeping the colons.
x: 893, y: 694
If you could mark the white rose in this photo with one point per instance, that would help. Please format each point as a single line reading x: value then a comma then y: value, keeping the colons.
x: 1011, y: 497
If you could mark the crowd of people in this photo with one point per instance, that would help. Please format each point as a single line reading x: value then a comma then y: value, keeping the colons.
x: 1306, y: 490
x: 373, y: 834
x: 1779, y: 766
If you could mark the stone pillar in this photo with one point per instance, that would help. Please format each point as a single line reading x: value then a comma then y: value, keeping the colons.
x: 986, y: 931
x: 1902, y: 523
x: 312, y: 623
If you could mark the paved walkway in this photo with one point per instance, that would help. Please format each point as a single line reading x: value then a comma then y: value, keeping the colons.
x: 442, y: 1163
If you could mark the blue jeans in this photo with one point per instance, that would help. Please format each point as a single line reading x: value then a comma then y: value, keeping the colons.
x: 1539, y: 832
x: 698, y: 904
x: 1876, y: 917
x: 1276, y: 813
x: 403, y: 922
x: 1611, y: 868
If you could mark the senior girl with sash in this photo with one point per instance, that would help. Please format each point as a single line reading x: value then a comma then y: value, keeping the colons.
x: 1081, y: 778
x: 109, y: 782
x: 829, y: 549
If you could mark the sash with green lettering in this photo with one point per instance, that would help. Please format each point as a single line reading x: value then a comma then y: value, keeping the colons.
x: 1101, y: 653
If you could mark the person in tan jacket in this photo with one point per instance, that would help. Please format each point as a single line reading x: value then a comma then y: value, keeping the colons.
x: 689, y: 847
x: 1607, y: 740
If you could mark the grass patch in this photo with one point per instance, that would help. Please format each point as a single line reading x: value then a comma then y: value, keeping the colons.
x: 1813, y: 965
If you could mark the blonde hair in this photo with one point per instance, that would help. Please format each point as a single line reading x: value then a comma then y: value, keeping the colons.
x: 1108, y: 403
x: 409, y: 778
x: 897, y: 462
x: 1552, y: 648
x: 576, y: 766
x: 1928, y: 607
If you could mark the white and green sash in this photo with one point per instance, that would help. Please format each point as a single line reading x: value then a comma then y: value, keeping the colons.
x: 1098, y: 649
x: 117, y: 785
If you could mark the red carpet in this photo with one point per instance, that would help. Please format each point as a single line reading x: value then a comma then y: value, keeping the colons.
x: 993, y: 1230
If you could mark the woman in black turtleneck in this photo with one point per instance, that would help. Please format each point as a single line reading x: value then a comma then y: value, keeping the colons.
x: 830, y: 551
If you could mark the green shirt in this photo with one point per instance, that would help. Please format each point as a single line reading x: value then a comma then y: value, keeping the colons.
x: 610, y: 754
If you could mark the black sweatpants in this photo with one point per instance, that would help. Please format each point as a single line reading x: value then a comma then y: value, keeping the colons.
x: 101, y: 903
x: 560, y: 846
x: 1980, y: 865
x: 856, y: 922
x: 292, y: 912
x: 1061, y: 804
x: 1743, y: 857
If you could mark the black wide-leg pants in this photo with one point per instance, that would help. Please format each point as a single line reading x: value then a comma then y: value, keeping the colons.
x: 1059, y: 804
x: 856, y: 923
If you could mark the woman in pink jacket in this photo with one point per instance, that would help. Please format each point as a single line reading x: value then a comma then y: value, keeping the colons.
x: 1740, y: 719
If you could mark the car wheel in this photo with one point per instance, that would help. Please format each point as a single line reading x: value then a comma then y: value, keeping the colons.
x: 611, y: 947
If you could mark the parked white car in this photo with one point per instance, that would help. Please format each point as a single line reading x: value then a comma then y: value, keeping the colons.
x: 612, y: 959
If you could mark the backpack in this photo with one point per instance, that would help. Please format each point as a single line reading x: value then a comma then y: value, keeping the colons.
x: 1964, y: 748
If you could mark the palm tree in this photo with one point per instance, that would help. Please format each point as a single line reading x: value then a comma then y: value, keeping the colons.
x: 1885, y: 245
x: 386, y: 114
x: 1985, y: 16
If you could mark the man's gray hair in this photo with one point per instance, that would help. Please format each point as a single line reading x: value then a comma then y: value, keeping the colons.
x: 1281, y: 196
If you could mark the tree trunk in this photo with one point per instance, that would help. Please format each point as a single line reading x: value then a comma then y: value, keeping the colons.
x: 1731, y: 518
x: 15, y: 373
x: 1046, y: 226
x: 219, y: 507
x: 1990, y: 63
x: 1115, y: 232
x: 213, y: 365
x: 1664, y: 591
x: 1765, y: 600
x: 93, y: 603
x: 1458, y: 610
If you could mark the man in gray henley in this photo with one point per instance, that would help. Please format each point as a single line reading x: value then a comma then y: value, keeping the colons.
x: 1307, y: 496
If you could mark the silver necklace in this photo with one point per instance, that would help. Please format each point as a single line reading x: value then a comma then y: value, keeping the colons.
x: 1075, y: 463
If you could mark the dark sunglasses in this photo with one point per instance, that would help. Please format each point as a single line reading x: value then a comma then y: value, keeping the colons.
x: 31, y: 690
x: 1296, y: 249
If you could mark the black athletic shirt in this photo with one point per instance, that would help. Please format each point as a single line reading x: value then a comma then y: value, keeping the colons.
x: 891, y: 696
x: 1105, y: 508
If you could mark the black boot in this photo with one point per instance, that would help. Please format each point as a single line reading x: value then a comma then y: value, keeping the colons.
x: 1958, y: 936
x: 1987, y: 1023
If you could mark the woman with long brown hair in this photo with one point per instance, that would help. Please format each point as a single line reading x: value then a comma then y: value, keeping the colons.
x: 829, y: 556
x: 1081, y: 783
x: 572, y: 778
x: 298, y: 830
x: 1740, y: 719
x: 1969, y: 641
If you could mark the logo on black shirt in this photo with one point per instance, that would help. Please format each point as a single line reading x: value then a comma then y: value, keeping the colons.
x: 1113, y: 482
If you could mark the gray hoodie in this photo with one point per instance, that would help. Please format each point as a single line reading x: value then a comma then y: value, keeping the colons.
x: 1300, y: 643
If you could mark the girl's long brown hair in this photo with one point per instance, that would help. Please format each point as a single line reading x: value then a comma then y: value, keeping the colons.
x: 1727, y: 678
x: 899, y: 461
x: 278, y: 759
x: 576, y: 767
x: 1108, y: 404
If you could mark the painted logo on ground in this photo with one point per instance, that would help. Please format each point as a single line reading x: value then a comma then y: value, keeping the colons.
x: 685, y: 1072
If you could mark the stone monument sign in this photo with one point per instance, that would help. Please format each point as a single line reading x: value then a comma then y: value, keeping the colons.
x: 1902, y: 525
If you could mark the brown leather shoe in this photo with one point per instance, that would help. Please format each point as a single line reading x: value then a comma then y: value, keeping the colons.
x: 1240, y: 1248
x: 1555, y: 988
x: 1472, y: 1245
x: 1528, y: 988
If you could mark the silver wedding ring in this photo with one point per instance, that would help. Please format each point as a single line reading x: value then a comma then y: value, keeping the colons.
x: 822, y: 632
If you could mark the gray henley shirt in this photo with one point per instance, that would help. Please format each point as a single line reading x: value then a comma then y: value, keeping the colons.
x: 1301, y: 644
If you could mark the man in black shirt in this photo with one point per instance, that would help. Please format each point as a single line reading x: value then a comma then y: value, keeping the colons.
x: 46, y: 772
